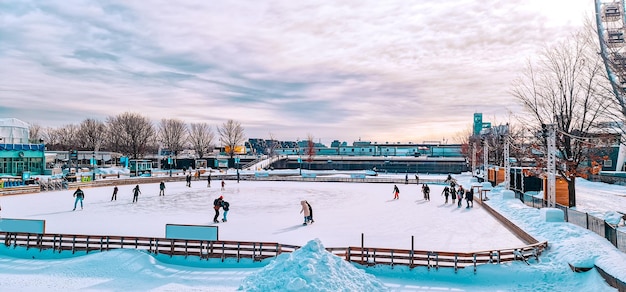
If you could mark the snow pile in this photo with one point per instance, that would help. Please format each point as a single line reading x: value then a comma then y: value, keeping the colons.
x: 311, y: 268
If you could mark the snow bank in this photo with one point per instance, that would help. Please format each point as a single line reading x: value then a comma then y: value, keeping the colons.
x: 310, y: 268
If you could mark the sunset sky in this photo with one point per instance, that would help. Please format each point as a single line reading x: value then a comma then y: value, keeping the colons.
x: 396, y: 71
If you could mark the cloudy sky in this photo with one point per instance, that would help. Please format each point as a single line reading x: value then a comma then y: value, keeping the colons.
x: 376, y: 70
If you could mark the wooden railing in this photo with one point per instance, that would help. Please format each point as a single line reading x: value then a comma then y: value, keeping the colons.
x: 441, y: 259
x: 258, y: 251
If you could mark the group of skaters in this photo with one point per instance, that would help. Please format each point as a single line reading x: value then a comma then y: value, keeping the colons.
x: 457, y: 194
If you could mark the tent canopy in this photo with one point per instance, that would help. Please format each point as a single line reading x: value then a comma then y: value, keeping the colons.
x: 14, y: 131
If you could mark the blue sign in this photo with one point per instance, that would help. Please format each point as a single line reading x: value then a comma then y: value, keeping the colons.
x: 191, y: 232
x: 124, y: 161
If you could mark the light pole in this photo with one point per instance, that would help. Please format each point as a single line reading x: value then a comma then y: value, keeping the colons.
x: 93, y: 160
x: 169, y: 162
x: 237, y: 167
x: 299, y: 157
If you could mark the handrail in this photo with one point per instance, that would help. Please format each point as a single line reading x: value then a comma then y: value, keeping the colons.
x: 258, y: 251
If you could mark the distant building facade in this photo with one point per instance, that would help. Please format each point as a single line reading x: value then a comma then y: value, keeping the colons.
x: 17, y: 153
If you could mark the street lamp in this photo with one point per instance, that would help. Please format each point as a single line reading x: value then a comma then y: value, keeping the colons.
x: 169, y: 161
x: 299, y: 157
x: 93, y: 161
x: 237, y: 167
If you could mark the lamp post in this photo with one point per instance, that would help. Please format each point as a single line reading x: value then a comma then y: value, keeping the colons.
x: 93, y: 161
x: 237, y: 167
x: 299, y: 157
x: 169, y: 162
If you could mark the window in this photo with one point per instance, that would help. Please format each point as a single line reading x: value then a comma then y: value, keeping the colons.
x: 608, y: 163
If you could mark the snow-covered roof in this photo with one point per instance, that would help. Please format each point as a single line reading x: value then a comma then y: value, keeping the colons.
x: 13, y: 122
x: 14, y: 131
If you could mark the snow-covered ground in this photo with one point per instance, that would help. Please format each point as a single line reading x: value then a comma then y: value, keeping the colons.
x: 269, y: 211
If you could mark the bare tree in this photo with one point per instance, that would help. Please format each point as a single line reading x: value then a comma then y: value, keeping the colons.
x: 310, y: 149
x: 563, y: 88
x: 231, y: 136
x: 272, y: 145
x: 172, y: 134
x: 52, y: 138
x: 130, y: 134
x: 35, y: 133
x: 68, y: 137
x: 201, y: 138
x: 91, y: 134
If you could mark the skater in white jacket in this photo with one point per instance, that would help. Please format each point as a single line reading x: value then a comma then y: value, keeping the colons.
x: 307, y: 212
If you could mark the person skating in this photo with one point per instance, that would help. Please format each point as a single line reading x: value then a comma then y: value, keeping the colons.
x: 217, y: 204
x: 310, y: 212
x: 460, y: 194
x: 453, y: 195
x: 426, y: 190
x: 396, y: 192
x: 225, y: 207
x: 223, y: 184
x: 136, y: 193
x: 188, y: 179
x: 208, y: 180
x: 446, y: 193
x: 114, y: 196
x: 469, y: 197
x: 307, y: 212
x: 79, y: 195
x: 162, y: 189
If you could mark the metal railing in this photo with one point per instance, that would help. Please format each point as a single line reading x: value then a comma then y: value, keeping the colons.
x: 582, y: 219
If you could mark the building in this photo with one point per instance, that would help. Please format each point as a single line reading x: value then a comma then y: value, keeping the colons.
x: 17, y: 154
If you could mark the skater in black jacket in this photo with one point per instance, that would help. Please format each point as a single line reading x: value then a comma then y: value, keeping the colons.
x: 446, y: 193
x: 426, y: 191
x: 460, y: 193
x: 469, y: 196
x: 162, y: 189
x: 136, y: 193
x: 114, y: 196
x: 217, y: 204
x: 80, y: 195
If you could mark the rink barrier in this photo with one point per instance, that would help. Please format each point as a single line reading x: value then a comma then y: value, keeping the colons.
x: 125, y: 180
x: 259, y: 251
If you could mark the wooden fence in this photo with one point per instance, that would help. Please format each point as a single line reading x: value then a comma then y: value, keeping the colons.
x: 258, y: 251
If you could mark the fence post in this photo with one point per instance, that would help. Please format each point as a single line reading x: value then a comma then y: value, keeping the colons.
x: 411, y: 255
x: 362, y: 240
x: 474, y: 263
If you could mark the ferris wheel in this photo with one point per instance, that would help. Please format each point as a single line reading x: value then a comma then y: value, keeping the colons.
x: 611, y: 30
x: 611, y: 25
